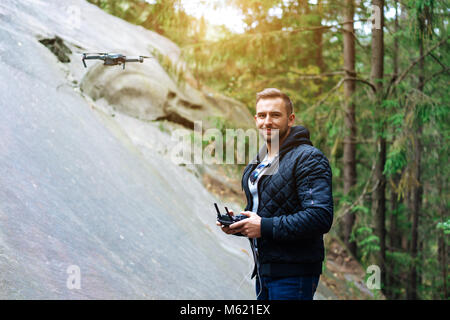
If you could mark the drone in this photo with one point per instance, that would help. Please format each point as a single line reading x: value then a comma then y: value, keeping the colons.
x: 112, y: 59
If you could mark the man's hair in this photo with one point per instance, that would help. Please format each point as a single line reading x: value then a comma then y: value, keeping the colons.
x: 269, y: 93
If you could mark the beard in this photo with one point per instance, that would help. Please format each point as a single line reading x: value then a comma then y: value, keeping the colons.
x: 273, y: 136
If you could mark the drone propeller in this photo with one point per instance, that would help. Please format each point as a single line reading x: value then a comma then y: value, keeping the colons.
x: 100, y: 53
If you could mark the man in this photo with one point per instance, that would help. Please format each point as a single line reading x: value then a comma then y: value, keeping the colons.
x: 289, y: 207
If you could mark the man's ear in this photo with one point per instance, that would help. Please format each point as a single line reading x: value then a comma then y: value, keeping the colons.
x: 291, y: 119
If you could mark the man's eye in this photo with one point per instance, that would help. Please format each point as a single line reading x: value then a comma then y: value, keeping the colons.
x: 261, y: 116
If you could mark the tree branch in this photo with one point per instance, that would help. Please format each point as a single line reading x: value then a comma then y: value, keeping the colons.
x: 438, y: 61
x: 446, y: 70
x: 408, y: 69
x: 316, y: 76
x: 370, y: 84
x: 336, y: 26
x: 329, y: 93
x: 346, y: 209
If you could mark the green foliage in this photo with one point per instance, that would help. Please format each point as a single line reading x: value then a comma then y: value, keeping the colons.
x: 175, y: 70
x: 221, y: 123
x: 362, y: 208
x: 423, y: 11
x: 165, y: 17
x: 395, y: 161
x: 445, y: 226
x: 367, y: 242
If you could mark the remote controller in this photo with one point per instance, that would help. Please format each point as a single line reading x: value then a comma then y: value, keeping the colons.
x: 227, y: 219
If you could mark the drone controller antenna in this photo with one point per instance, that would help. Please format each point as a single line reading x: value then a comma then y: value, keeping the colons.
x: 228, y: 213
x: 218, y: 211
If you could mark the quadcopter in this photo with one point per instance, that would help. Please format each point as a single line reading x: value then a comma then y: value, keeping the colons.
x: 111, y: 59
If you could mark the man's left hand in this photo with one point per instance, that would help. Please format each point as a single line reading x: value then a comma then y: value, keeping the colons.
x: 250, y: 227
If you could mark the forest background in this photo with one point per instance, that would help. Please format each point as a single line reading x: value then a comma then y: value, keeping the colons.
x: 369, y: 79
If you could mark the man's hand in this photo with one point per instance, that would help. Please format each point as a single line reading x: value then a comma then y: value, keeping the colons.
x: 251, y: 227
x: 226, y: 229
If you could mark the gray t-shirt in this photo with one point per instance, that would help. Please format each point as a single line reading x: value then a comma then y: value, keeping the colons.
x: 253, y: 182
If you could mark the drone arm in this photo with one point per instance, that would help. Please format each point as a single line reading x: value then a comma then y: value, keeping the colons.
x: 134, y: 59
x: 94, y: 57
x: 86, y: 57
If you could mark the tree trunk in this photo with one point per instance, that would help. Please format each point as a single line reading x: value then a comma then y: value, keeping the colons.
x: 350, y: 120
x: 442, y: 254
x: 379, y: 206
x: 318, y: 43
x: 442, y: 250
x: 416, y: 193
x: 394, y: 239
x: 318, y: 38
x: 378, y: 195
x: 377, y: 58
x: 395, y: 54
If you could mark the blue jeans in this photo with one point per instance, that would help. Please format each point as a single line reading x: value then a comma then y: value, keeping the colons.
x: 287, y: 288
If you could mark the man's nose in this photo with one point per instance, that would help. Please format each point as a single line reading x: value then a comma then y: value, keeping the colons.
x: 268, y: 120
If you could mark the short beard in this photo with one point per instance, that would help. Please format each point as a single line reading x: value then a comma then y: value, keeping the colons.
x: 280, y: 135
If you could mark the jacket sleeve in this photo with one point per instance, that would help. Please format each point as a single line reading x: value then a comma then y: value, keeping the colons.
x: 314, y: 190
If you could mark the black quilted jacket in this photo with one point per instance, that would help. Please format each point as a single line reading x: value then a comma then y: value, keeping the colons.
x: 296, y: 207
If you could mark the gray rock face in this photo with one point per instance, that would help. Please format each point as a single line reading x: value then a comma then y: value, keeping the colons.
x: 75, y: 190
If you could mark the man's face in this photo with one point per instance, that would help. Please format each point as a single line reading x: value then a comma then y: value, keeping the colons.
x: 272, y: 119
